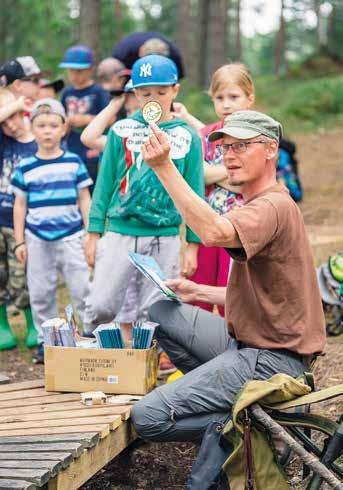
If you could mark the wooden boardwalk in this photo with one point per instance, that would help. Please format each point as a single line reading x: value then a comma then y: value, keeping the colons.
x: 52, y: 440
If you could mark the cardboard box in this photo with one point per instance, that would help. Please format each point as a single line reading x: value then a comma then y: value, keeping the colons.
x: 119, y: 371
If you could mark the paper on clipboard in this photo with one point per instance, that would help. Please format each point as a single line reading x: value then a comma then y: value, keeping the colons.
x: 148, y: 266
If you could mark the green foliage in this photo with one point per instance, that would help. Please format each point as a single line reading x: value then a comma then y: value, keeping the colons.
x: 160, y: 16
x: 36, y: 28
x: 258, y: 53
x: 302, y: 105
x: 112, y: 29
x: 198, y: 102
x: 318, y: 65
x: 45, y: 29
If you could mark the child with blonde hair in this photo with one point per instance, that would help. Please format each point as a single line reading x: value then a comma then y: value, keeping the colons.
x: 50, y: 211
x: 231, y: 90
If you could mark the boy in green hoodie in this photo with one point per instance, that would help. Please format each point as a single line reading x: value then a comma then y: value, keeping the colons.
x: 130, y: 210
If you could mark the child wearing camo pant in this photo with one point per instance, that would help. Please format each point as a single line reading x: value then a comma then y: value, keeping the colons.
x: 16, y: 142
x: 50, y: 211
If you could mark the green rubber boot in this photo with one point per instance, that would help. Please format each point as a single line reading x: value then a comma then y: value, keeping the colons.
x: 31, y: 339
x: 7, y: 339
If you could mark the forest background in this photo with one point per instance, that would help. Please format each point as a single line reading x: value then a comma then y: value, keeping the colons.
x: 297, y: 63
x: 296, y: 58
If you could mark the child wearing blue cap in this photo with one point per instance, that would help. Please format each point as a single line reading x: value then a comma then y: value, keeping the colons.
x: 82, y: 100
x: 130, y: 209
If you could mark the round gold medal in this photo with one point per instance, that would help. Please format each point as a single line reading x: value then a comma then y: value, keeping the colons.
x: 152, y: 112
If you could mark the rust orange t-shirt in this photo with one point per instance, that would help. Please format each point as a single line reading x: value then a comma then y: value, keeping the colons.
x: 273, y: 299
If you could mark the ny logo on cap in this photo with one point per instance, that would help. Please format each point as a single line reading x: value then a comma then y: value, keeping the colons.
x: 145, y: 70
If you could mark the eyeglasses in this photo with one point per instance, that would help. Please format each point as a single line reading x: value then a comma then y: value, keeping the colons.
x: 237, y: 147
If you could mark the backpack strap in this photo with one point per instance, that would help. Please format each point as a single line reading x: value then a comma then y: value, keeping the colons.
x: 315, y: 397
x: 306, y: 421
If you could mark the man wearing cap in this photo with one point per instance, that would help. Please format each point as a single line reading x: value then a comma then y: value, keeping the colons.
x: 274, y: 320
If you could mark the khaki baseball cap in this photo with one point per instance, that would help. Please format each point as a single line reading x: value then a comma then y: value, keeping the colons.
x: 48, y: 106
x: 248, y: 124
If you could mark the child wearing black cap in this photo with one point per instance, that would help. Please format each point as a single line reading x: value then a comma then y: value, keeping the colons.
x: 50, y: 88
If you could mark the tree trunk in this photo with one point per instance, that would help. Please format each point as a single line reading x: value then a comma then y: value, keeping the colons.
x: 183, y: 36
x: 217, y: 39
x: 90, y: 21
x: 316, y: 7
x: 280, y: 45
x: 238, y: 37
x: 118, y: 16
x: 206, y: 49
x: 203, y: 42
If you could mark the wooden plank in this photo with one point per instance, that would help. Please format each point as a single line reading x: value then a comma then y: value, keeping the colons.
x: 39, y: 477
x: 23, y: 394
x: 102, y: 429
x: 17, y: 484
x: 25, y: 402
x: 112, y: 420
x: 94, y: 459
x: 88, y: 439
x: 75, y: 448
x: 23, y: 385
x: 64, y: 458
x: 53, y: 466
x: 67, y: 414
x: 124, y: 411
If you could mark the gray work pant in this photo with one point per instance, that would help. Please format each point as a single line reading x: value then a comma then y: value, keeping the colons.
x: 45, y: 260
x: 113, y: 271
x: 215, y: 366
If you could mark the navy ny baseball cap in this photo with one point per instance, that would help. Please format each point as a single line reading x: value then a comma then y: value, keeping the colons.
x: 154, y: 70
x: 78, y: 57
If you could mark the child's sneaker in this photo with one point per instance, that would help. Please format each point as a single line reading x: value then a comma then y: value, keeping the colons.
x: 38, y: 358
x: 166, y: 366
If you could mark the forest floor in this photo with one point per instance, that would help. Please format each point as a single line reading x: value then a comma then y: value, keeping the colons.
x: 166, y: 466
